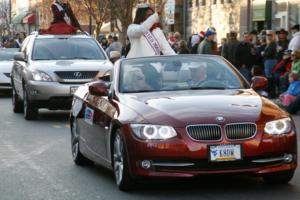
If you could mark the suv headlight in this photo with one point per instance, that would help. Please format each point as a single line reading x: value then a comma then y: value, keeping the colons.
x: 278, y: 127
x: 40, y: 76
x: 153, y: 132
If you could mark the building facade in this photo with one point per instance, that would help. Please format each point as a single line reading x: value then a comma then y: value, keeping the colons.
x: 223, y: 15
x: 276, y: 14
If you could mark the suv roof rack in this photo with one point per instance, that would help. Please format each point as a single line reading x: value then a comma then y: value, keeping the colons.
x: 82, y: 32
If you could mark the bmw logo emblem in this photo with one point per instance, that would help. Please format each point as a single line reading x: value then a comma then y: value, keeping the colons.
x: 220, y: 119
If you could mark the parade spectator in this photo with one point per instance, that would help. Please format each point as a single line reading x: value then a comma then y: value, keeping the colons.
x: 196, y: 39
x: 126, y: 47
x: 145, y: 34
x: 295, y: 41
x: 114, y: 56
x: 295, y: 71
x: 270, y: 60
x: 281, y: 71
x: 20, y: 37
x: 260, y: 47
x: 114, y: 46
x: 291, y: 94
x: 223, y: 42
x: 245, y: 56
x: 229, y: 48
x: 109, y: 40
x: 171, y: 38
x: 175, y: 45
x: 254, y: 37
x: 206, y: 46
x: 282, y: 43
x: 291, y: 98
x: 183, y: 49
x: 62, y: 12
x: 104, y: 43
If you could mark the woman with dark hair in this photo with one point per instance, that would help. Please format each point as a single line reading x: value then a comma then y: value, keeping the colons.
x: 62, y: 12
x: 145, y: 34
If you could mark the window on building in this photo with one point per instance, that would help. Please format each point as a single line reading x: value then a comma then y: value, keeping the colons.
x: 229, y: 1
x: 222, y: 1
x: 214, y: 1
x: 197, y: 3
x: 203, y: 2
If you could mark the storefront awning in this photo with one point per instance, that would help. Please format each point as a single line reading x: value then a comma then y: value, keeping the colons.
x: 18, y: 19
x: 29, y: 19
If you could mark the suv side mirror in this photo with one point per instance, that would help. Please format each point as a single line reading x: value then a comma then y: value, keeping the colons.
x: 20, y: 57
x: 259, y: 83
x: 98, y: 88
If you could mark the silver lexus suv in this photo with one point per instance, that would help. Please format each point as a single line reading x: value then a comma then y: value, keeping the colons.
x: 49, y: 68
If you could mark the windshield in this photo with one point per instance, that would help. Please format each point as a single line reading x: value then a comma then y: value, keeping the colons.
x: 67, y: 49
x: 8, y: 54
x: 178, y: 73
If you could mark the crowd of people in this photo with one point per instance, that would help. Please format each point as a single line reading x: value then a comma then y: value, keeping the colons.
x: 272, y: 54
x: 12, y: 42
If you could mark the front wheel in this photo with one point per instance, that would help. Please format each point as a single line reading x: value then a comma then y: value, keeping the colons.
x: 279, y: 177
x: 16, y: 102
x: 30, y: 110
x: 120, y: 163
x: 78, y: 157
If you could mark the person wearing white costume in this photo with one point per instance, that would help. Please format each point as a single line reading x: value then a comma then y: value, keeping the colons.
x: 145, y: 35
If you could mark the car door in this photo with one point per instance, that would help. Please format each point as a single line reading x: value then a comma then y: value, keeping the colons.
x: 18, y: 69
x: 95, y: 126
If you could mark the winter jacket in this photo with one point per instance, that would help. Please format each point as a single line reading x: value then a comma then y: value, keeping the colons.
x: 140, y: 47
x: 205, y: 47
x: 229, y: 50
x: 244, y: 55
x: 295, y: 42
x: 270, y: 52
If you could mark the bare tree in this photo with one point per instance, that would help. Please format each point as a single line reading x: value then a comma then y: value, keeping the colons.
x: 4, y: 18
x: 122, y: 11
x: 97, y: 9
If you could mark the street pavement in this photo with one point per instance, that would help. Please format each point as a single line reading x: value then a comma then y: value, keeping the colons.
x: 36, y: 164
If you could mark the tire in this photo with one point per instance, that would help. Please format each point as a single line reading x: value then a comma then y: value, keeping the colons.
x: 120, y: 163
x: 17, y: 103
x: 78, y: 157
x: 30, y: 110
x: 279, y: 178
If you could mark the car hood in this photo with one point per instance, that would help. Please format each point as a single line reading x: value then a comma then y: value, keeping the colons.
x: 5, y: 66
x: 182, y: 108
x: 71, y: 65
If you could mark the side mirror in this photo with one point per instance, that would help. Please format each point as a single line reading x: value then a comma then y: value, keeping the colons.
x: 259, y: 83
x: 98, y: 88
x: 20, y: 57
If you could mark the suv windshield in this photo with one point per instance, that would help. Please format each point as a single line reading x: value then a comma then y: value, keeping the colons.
x: 66, y: 49
x: 8, y: 54
x: 178, y: 73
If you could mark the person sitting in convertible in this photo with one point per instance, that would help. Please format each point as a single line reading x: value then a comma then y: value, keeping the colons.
x: 198, y: 74
x: 135, y: 81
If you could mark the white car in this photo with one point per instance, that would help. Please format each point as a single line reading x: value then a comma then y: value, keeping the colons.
x: 6, y: 63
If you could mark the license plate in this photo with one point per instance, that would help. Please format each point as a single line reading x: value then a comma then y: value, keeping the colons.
x: 73, y: 89
x: 227, y: 152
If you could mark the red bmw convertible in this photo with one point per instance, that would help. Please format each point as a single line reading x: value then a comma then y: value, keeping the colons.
x: 181, y: 116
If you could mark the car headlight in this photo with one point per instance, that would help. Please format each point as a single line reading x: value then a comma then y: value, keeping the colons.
x: 278, y: 127
x: 40, y: 76
x: 153, y: 132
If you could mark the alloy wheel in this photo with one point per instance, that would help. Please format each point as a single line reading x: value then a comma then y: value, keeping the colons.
x: 74, y: 140
x: 118, y: 159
